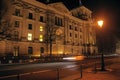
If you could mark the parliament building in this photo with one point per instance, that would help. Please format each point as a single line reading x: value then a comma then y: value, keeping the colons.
x: 40, y: 29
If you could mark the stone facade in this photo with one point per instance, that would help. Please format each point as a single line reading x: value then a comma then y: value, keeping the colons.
x: 118, y: 47
x: 37, y: 25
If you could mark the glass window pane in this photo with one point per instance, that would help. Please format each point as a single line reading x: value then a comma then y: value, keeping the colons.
x: 41, y: 28
x: 29, y: 36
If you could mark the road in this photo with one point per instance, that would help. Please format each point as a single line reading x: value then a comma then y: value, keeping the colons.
x: 40, y: 69
x: 45, y: 71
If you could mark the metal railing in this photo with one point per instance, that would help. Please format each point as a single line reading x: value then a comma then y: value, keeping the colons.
x: 58, y: 74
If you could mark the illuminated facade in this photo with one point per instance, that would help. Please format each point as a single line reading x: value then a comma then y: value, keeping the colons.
x: 36, y: 25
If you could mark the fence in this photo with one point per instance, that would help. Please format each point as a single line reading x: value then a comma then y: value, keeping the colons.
x: 58, y: 74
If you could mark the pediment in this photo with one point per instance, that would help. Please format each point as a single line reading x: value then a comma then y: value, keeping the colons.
x: 81, y: 9
x: 61, y: 7
x: 81, y: 12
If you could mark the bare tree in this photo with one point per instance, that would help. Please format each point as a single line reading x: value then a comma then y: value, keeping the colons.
x: 50, y: 36
x: 5, y: 25
x: 51, y: 31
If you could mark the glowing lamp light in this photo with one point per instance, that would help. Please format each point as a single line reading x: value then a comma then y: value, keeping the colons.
x: 60, y: 52
x: 100, y: 23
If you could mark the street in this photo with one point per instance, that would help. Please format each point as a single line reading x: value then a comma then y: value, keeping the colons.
x: 47, y: 71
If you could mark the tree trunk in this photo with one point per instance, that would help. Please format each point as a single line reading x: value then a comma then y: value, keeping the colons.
x: 50, y: 45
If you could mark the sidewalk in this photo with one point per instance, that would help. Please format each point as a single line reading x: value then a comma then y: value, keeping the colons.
x: 113, y: 73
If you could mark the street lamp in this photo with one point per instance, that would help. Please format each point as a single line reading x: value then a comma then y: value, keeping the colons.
x: 100, y: 24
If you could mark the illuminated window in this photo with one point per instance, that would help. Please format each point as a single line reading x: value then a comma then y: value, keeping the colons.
x: 41, y: 38
x: 41, y: 28
x: 16, y: 51
x: 29, y: 36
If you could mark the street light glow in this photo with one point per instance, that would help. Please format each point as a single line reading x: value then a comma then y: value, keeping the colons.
x: 100, y: 23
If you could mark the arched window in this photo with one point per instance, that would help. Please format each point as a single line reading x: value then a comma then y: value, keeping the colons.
x: 30, y: 50
x: 16, y: 51
x: 42, y: 50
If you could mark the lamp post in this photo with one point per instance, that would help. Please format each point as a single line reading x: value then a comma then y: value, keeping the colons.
x: 100, y: 24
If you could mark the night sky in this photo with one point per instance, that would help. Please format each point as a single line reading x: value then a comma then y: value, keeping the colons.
x: 108, y: 10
